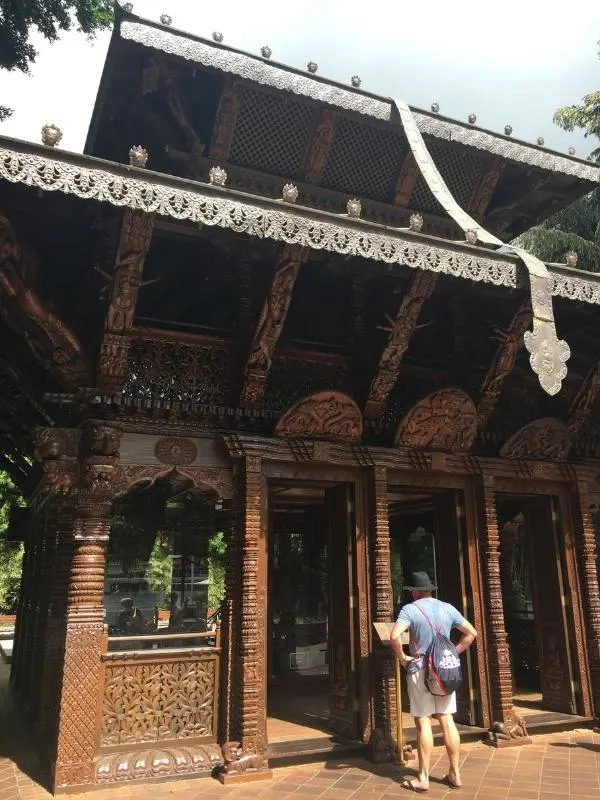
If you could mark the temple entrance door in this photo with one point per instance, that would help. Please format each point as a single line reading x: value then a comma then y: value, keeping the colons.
x: 536, y: 603
x: 342, y: 645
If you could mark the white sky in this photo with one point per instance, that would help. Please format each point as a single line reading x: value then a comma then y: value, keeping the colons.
x: 511, y: 61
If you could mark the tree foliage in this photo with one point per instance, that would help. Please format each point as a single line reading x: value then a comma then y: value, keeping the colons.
x: 11, y: 553
x: 18, y: 18
x: 586, y: 116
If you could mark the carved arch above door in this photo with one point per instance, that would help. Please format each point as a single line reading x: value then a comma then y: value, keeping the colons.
x: 445, y: 420
x: 323, y: 415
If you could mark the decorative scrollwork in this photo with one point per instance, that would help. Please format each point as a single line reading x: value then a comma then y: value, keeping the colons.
x: 546, y: 438
x: 158, y: 763
x: 444, y: 420
x: 326, y: 415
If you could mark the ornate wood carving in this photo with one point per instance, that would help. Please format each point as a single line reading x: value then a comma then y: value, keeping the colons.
x: 159, y: 697
x: 51, y: 340
x: 444, y: 420
x: 546, y: 438
x: 584, y: 401
x: 484, y: 191
x: 217, y: 479
x: 153, y: 764
x: 125, y: 284
x: 320, y: 145
x: 225, y: 119
x: 585, y: 545
x: 328, y: 415
x: 511, y: 342
x: 406, y: 181
x: 270, y: 324
x: 401, y: 330
x: 498, y: 652
x: 381, y: 745
x: 175, y: 451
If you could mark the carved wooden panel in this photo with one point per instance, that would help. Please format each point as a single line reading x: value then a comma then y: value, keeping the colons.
x: 330, y: 415
x: 157, y: 763
x: 546, y: 438
x: 401, y: 330
x: 444, y: 420
x: 585, y: 400
x: 270, y: 324
x: 159, y: 698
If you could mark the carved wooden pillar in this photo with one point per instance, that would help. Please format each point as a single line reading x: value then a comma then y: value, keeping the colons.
x: 250, y: 723
x: 502, y: 710
x: 382, y: 745
x: 230, y: 622
x: 585, y: 544
x: 81, y: 671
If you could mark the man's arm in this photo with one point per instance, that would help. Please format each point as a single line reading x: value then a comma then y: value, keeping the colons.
x: 396, y: 642
x: 469, y: 634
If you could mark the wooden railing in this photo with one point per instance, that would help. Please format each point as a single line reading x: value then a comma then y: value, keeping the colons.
x: 164, y: 694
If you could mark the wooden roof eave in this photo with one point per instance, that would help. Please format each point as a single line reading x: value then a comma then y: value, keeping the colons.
x: 124, y: 186
x: 280, y: 77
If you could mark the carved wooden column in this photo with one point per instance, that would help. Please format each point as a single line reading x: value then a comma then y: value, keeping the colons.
x: 249, y: 724
x: 382, y: 744
x: 81, y: 673
x: 585, y: 544
x: 498, y: 651
x: 230, y: 622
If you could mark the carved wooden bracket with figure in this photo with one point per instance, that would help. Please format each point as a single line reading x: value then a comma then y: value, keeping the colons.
x: 401, y: 330
x: 320, y: 146
x: 270, y: 324
x: 585, y: 400
x: 225, y: 120
x: 50, y: 339
x: 485, y: 189
x: 407, y: 178
x: 511, y: 342
x: 125, y: 284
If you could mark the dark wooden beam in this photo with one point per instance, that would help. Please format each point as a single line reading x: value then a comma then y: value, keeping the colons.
x: 511, y: 341
x: 406, y: 181
x: 270, y: 324
x: 584, y: 401
x: 485, y: 188
x: 49, y: 337
x: 401, y: 330
x: 125, y: 284
x: 319, y: 147
x: 225, y: 120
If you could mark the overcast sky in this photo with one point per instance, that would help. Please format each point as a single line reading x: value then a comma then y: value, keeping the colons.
x: 511, y: 61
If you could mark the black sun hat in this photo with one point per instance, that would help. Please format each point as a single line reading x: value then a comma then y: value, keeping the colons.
x: 421, y: 582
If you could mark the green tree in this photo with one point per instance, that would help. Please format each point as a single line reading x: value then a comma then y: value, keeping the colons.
x: 577, y: 227
x: 11, y: 553
x: 160, y: 569
x: 19, y: 17
x: 217, y: 548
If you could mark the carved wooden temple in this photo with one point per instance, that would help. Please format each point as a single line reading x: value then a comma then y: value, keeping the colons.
x: 250, y: 385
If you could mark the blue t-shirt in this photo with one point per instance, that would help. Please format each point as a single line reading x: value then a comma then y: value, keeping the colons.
x: 443, y: 616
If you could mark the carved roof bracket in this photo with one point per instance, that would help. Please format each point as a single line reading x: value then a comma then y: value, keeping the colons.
x: 125, y: 284
x: 407, y: 178
x: 270, y: 324
x: 225, y: 121
x: 485, y: 189
x: 319, y: 147
x: 584, y: 401
x: 511, y: 342
x: 401, y: 331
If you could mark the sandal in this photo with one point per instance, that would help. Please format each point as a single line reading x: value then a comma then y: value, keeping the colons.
x: 409, y: 783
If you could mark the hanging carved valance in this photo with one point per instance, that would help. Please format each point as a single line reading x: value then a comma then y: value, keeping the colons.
x: 324, y: 415
x: 547, y: 439
x: 445, y: 420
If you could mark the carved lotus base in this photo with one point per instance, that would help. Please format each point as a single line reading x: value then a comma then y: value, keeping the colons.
x: 246, y: 777
x: 158, y: 762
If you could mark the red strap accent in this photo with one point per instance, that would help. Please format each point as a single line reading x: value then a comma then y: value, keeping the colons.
x: 438, y: 630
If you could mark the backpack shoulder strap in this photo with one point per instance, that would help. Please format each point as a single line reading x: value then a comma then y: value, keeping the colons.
x: 434, y: 629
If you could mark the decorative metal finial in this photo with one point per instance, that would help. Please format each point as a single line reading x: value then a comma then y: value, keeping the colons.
x: 290, y: 193
x: 540, y: 141
x: 571, y: 259
x: 472, y: 118
x: 312, y: 67
x: 571, y: 151
x: 217, y: 36
x: 355, y: 81
x: 266, y: 51
x: 217, y: 176
x: 166, y: 19
x: 138, y: 156
x: 415, y: 223
x: 128, y: 7
x: 471, y: 236
x: 51, y: 134
x: 354, y: 208
x: 435, y: 107
x: 508, y: 129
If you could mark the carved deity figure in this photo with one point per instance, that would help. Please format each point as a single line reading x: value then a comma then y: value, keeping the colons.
x: 321, y: 144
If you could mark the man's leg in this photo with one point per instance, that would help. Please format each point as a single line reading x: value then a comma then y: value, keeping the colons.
x: 424, y: 750
x: 452, y: 742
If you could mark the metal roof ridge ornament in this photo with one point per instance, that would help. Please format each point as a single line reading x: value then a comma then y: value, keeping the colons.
x: 548, y: 354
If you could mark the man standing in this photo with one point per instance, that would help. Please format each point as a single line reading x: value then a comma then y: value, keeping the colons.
x: 422, y: 619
